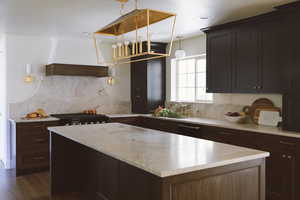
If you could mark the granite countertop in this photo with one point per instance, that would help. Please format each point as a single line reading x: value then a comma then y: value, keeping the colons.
x: 160, y: 153
x: 224, y: 124
x: 20, y: 120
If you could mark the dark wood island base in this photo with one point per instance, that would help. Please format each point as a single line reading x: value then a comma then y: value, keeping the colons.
x: 77, y: 168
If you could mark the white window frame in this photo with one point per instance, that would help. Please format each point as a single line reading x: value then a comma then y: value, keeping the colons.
x: 175, y: 82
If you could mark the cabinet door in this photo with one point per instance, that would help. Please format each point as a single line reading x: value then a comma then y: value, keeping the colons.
x: 291, y: 114
x: 280, y: 176
x: 246, y: 67
x: 107, y: 186
x: 292, y: 54
x: 156, y: 84
x: 219, y: 61
x: 271, y: 74
x: 139, y: 87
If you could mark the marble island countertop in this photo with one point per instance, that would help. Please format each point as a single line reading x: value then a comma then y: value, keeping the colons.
x: 160, y: 153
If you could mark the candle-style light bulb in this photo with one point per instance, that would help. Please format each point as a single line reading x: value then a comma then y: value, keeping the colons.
x: 120, y: 49
x: 133, y: 47
x: 141, y: 45
x: 126, y: 43
x: 114, y: 51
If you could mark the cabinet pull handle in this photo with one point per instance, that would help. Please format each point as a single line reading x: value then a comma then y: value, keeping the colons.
x: 287, y: 143
x: 225, y: 133
x: 40, y: 140
x: 189, y: 127
x: 39, y: 158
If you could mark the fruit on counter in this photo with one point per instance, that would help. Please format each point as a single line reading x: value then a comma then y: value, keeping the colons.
x: 90, y: 112
x: 164, y: 112
x: 235, y: 114
x: 39, y: 113
x: 157, y: 111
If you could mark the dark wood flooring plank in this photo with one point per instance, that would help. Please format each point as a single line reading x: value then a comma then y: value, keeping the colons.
x: 31, y: 187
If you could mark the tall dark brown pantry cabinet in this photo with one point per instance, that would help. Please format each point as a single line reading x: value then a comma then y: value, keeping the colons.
x: 148, y: 82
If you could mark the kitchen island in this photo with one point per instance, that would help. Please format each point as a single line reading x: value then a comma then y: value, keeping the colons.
x: 122, y: 162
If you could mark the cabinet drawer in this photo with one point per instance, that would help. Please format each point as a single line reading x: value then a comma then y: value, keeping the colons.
x: 158, y: 124
x: 31, y: 159
x: 278, y: 144
x: 229, y: 136
x: 31, y: 127
x: 33, y: 140
x: 189, y: 130
x: 126, y: 120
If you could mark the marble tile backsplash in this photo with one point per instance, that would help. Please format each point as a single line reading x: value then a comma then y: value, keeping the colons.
x: 204, y: 110
x: 71, y: 94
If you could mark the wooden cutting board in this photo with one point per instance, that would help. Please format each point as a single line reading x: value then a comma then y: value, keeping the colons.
x: 258, y: 110
x: 260, y: 104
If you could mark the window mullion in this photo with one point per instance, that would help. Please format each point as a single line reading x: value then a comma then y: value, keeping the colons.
x: 196, y: 79
x: 177, y: 80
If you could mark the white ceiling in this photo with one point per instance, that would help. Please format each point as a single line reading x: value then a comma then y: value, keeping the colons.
x: 66, y: 18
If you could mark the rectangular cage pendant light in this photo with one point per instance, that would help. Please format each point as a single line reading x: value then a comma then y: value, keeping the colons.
x: 136, y: 50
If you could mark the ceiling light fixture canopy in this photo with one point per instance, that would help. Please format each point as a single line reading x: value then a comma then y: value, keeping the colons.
x: 128, y: 47
x: 180, y: 53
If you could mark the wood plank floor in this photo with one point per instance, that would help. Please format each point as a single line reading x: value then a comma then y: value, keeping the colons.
x: 32, y: 187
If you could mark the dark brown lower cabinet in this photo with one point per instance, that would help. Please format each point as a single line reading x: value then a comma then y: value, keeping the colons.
x: 30, y: 146
x: 282, y: 176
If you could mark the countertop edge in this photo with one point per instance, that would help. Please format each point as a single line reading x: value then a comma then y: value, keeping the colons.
x: 50, y: 119
x: 228, y: 125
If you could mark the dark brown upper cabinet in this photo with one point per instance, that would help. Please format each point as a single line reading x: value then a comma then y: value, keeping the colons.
x: 271, y: 62
x: 148, y: 82
x: 253, y: 54
x: 219, y: 61
x: 264, y: 58
x: 245, y: 76
x: 57, y: 69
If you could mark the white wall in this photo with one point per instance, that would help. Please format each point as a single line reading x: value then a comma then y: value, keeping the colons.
x: 3, y: 104
x: 60, y: 94
x: 196, y: 46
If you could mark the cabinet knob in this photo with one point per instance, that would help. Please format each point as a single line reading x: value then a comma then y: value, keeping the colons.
x: 284, y: 156
x: 255, y: 87
x: 289, y: 157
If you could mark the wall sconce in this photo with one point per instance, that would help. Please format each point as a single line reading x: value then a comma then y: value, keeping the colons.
x: 29, y: 78
x: 111, y: 74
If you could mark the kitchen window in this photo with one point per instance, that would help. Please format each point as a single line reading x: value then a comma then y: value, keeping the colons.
x: 188, y: 80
